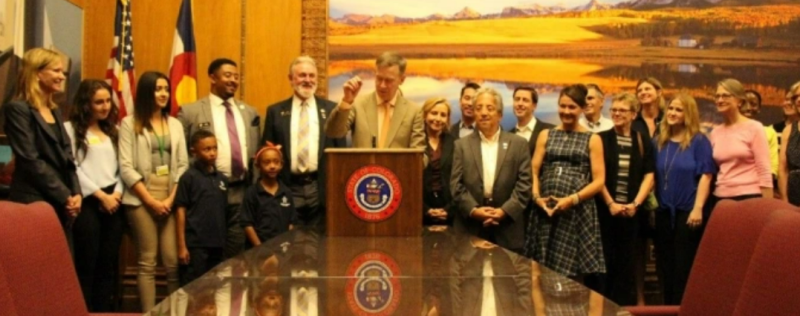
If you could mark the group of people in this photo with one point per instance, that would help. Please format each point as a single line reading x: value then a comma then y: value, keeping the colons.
x: 575, y: 197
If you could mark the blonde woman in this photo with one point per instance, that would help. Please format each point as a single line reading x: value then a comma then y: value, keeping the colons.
x: 437, y: 201
x: 152, y: 157
x: 45, y: 168
x: 740, y: 148
x: 684, y: 168
x: 651, y: 100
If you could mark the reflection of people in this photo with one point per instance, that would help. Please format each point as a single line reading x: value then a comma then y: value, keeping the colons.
x: 297, y: 125
x: 267, y: 208
x: 568, y: 171
x: 152, y: 157
x: 98, y: 229
x: 491, y: 177
x: 383, y: 119
x: 789, y: 175
x: 528, y: 126
x: 490, y: 280
x: 593, y: 118
x: 236, y: 126
x: 740, y: 148
x: 437, y: 206
x: 437, y: 254
x: 466, y: 125
x: 555, y: 294
x: 629, y: 165
x: 201, y: 200
x: 684, y: 167
x: 45, y: 168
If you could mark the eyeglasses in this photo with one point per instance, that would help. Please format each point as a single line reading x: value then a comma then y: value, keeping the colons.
x: 723, y: 96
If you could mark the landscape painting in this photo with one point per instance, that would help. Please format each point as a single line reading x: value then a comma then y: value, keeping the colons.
x: 687, y: 44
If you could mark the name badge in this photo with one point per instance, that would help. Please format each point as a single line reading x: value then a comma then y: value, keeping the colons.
x: 285, y: 202
x: 93, y: 140
x: 162, y: 170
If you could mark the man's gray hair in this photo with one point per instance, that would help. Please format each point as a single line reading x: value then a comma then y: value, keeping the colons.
x: 388, y: 59
x: 498, y: 100
x: 305, y: 59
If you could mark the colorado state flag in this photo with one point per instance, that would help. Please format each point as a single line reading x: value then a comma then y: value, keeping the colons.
x: 183, y: 68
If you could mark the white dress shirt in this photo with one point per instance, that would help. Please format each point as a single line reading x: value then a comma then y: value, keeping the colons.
x: 488, y: 305
x: 603, y: 124
x: 489, y: 156
x: 311, y: 294
x: 527, y: 130
x: 221, y: 132
x: 313, y: 134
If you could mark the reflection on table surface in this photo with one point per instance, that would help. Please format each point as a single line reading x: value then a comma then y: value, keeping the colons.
x: 440, y: 273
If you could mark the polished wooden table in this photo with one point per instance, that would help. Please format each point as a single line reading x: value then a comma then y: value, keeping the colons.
x: 439, y: 273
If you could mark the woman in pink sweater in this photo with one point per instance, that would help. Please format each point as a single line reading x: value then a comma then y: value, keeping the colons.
x: 740, y: 148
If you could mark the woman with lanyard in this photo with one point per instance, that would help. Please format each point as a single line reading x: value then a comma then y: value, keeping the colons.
x: 152, y: 154
x: 684, y: 167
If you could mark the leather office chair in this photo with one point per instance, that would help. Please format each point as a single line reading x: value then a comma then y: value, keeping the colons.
x: 722, y: 260
x: 37, y: 276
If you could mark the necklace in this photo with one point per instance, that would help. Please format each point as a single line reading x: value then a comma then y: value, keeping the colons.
x: 668, y: 168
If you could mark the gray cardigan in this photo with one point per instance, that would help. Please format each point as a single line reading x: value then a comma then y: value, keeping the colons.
x: 135, y: 160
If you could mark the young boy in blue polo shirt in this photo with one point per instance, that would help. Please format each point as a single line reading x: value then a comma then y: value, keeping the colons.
x: 201, y: 200
x: 267, y: 209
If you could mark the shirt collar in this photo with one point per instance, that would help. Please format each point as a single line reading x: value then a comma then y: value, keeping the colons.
x: 494, y: 138
x: 216, y: 100
x: 462, y: 125
x: 297, y: 101
x: 529, y: 126
x: 199, y: 166
x: 392, y: 102
x: 281, y: 191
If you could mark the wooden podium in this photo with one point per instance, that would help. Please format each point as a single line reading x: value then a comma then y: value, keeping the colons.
x: 374, y: 192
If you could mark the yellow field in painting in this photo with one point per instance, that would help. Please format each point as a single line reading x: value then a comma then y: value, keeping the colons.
x: 506, y: 31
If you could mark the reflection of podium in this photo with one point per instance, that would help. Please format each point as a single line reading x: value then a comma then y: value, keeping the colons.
x: 374, y: 192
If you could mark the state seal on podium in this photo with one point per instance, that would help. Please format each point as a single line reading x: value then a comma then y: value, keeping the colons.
x: 373, y: 193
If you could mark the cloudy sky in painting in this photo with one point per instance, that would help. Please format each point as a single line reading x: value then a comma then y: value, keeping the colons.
x: 423, y: 8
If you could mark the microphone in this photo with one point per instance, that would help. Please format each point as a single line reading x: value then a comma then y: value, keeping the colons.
x: 374, y: 142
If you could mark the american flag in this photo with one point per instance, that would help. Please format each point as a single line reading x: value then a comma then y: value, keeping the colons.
x: 120, y: 74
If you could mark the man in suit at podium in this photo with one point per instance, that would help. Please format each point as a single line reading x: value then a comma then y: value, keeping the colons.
x: 235, y: 125
x: 528, y: 126
x: 491, y: 177
x: 382, y: 119
x: 466, y: 126
x: 297, y: 124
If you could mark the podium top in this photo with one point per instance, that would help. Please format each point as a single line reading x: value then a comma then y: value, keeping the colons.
x: 375, y: 150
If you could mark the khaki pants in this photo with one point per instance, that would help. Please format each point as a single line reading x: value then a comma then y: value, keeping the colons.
x: 153, y: 234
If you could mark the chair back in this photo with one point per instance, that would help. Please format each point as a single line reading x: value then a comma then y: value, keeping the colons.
x: 772, y: 283
x: 723, y: 257
x: 36, y: 263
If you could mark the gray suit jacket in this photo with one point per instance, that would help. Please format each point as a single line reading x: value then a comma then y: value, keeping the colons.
x: 197, y: 116
x: 136, y: 157
x: 407, y: 129
x: 511, y: 191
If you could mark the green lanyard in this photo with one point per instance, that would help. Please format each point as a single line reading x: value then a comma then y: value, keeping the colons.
x: 161, y: 141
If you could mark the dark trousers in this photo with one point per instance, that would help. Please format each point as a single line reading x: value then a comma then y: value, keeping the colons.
x: 305, y: 196
x: 676, y: 247
x: 201, y: 260
x: 620, y: 251
x: 234, y: 239
x: 97, y: 236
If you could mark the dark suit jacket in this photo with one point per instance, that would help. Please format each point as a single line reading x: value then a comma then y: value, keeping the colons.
x: 511, y: 191
x: 538, y: 128
x: 447, y: 143
x: 278, y: 130
x: 45, y: 168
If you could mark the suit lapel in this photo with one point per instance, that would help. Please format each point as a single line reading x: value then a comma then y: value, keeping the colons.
x: 208, y: 116
x: 44, y: 125
x: 475, y: 146
x: 502, y: 148
x: 400, y: 110
x: 322, y: 116
x: 286, y: 124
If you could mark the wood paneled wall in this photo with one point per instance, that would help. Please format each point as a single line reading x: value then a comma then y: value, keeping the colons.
x: 271, y: 29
